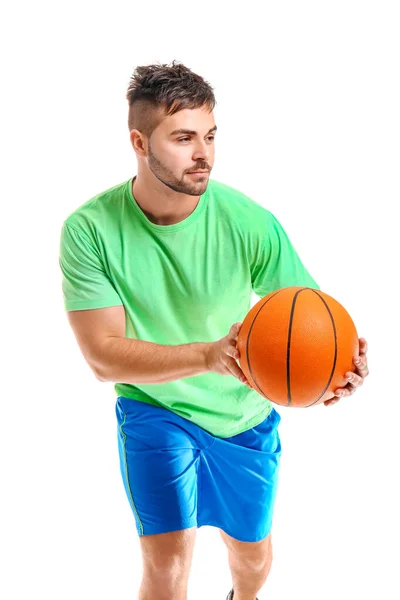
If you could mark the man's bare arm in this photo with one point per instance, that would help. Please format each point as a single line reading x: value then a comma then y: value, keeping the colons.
x: 136, y: 361
x: 100, y: 334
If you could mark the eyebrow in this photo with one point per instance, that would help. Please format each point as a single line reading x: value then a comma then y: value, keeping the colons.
x: 190, y: 131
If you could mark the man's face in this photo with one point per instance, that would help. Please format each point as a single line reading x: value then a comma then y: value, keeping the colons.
x: 173, y: 156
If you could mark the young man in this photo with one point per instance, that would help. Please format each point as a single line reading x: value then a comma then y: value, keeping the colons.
x: 155, y: 271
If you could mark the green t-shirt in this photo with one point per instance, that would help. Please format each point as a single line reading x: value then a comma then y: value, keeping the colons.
x: 179, y: 284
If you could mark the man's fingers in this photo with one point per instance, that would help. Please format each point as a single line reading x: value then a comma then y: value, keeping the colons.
x: 236, y: 371
x: 354, y: 379
x: 361, y: 365
x: 347, y: 391
x: 234, y: 331
x: 363, y: 345
x: 233, y: 352
x: 329, y: 402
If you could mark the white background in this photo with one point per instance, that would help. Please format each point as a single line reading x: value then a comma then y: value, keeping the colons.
x: 308, y: 126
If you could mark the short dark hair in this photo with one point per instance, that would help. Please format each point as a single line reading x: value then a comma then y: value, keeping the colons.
x: 158, y: 90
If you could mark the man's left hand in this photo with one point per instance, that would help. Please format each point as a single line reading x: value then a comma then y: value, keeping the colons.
x: 355, y: 379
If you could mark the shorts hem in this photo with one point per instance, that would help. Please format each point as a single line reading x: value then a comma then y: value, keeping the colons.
x: 167, y: 528
x: 257, y: 538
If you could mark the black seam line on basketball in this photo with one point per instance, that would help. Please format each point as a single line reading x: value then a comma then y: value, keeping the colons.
x: 335, y: 357
x: 248, y: 341
x: 289, y: 395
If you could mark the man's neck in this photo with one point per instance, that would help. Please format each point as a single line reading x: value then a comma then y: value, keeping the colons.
x: 161, y: 210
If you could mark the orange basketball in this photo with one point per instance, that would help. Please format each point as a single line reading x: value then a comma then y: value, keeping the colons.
x: 295, y: 345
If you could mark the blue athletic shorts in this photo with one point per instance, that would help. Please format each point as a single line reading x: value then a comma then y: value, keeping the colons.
x: 177, y: 475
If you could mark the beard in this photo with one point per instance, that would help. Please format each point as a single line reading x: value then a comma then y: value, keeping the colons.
x: 184, y: 186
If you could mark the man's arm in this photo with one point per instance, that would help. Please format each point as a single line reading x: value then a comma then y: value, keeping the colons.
x: 100, y: 334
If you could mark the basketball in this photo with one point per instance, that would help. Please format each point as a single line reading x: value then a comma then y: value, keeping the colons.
x: 295, y: 345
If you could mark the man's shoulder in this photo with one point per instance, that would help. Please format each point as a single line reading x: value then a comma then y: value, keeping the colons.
x: 94, y: 210
x: 236, y: 199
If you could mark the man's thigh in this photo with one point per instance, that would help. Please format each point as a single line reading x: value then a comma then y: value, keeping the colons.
x: 249, y: 553
x: 170, y: 552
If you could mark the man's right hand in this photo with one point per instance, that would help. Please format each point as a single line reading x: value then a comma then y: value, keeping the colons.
x: 221, y: 355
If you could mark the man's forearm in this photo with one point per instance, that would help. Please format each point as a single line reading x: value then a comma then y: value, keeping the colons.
x: 126, y: 360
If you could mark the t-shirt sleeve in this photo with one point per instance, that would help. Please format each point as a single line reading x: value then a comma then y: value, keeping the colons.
x: 85, y: 283
x: 277, y: 264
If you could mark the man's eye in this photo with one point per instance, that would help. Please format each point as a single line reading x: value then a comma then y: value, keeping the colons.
x: 210, y: 137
